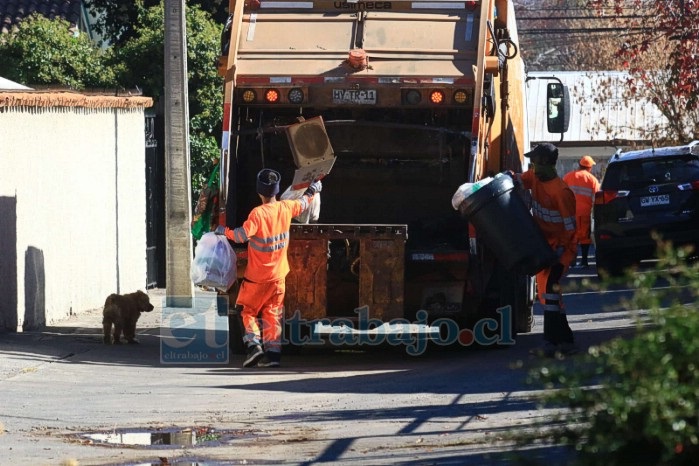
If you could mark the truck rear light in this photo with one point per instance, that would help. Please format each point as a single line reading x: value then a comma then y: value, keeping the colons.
x: 605, y: 197
x: 460, y: 96
x: 437, y: 97
x: 412, y: 97
x: 295, y: 96
x: 692, y: 186
x: 249, y: 96
x: 272, y: 96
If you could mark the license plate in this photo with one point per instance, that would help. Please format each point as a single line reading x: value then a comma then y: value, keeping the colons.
x: 354, y: 96
x: 648, y: 201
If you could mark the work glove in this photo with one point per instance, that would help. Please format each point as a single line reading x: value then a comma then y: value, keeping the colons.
x: 315, y: 187
x: 220, y: 230
x: 515, y: 179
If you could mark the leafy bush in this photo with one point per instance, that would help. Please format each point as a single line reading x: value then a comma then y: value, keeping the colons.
x: 44, y: 51
x: 139, y: 61
x: 635, y: 400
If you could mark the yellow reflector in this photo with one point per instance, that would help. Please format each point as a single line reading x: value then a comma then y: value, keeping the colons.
x: 460, y: 97
x: 249, y: 96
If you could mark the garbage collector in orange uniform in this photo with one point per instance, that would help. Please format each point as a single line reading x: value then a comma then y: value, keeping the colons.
x: 266, y: 231
x: 584, y: 185
x: 553, y: 208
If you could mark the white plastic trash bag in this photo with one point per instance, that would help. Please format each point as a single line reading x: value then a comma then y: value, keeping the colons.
x: 466, y: 190
x: 309, y: 215
x: 214, y: 262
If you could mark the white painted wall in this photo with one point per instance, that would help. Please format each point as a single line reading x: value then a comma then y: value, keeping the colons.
x: 77, y: 176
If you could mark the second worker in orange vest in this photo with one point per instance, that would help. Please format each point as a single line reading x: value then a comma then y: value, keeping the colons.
x: 266, y: 231
x: 584, y: 185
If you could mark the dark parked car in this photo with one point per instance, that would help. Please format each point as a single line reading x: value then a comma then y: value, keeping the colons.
x: 645, y: 191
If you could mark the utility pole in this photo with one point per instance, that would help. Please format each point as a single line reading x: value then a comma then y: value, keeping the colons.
x: 179, y: 289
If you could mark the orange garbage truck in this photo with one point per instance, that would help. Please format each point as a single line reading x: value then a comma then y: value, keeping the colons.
x: 410, y: 100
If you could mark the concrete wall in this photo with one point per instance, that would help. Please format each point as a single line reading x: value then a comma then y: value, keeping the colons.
x: 72, y: 210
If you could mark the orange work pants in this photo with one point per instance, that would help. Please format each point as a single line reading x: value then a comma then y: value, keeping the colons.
x: 583, y: 229
x: 264, y: 301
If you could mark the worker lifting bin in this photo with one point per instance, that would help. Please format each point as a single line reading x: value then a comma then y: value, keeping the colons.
x: 503, y: 222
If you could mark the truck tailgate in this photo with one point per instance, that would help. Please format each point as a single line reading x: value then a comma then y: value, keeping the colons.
x: 398, y: 43
x: 381, y: 264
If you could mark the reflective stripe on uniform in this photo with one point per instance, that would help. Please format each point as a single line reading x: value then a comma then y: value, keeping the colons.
x: 239, y: 235
x: 582, y: 190
x: 273, y: 243
x: 552, y: 216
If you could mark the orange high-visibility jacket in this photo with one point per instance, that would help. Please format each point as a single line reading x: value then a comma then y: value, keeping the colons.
x: 267, y: 232
x: 553, y: 208
x: 584, y: 185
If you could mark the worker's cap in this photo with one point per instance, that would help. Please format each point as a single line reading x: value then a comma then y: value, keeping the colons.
x: 587, y: 161
x: 268, y: 182
x: 543, y: 154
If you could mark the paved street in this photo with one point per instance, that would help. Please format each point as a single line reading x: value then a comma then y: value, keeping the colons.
x: 352, y: 406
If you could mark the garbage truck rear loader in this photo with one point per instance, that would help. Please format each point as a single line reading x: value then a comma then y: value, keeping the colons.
x: 416, y: 98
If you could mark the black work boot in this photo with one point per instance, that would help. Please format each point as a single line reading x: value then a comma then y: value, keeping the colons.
x: 270, y: 359
x: 253, y: 355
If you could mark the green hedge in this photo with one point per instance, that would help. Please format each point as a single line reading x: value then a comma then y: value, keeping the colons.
x: 635, y: 400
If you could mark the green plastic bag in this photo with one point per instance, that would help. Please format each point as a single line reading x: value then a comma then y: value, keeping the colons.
x: 206, y: 206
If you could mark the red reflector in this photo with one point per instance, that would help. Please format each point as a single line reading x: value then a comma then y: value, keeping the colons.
x: 272, y: 95
x: 604, y: 197
x: 605, y: 236
x: 437, y: 97
x: 691, y: 186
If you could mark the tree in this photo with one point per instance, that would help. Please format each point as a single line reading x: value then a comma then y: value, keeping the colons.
x: 116, y: 20
x: 654, y: 42
x: 565, y: 35
x: 139, y: 60
x: 45, y: 52
x: 660, y: 50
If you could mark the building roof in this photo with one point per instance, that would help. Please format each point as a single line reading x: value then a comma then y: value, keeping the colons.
x: 12, y: 12
x: 6, y: 84
x: 49, y: 99
x: 594, y: 119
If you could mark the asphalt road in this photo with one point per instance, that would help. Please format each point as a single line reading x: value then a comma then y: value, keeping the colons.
x: 64, y: 395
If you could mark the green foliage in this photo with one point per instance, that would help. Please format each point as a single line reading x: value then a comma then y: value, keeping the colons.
x: 139, y: 62
x: 44, y: 52
x: 116, y: 19
x: 635, y: 400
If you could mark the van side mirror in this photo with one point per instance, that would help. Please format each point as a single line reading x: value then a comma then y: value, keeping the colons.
x: 557, y: 107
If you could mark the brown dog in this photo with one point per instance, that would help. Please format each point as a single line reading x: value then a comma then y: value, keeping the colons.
x: 123, y: 312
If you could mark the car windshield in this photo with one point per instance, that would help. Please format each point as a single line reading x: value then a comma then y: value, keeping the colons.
x: 642, y: 172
